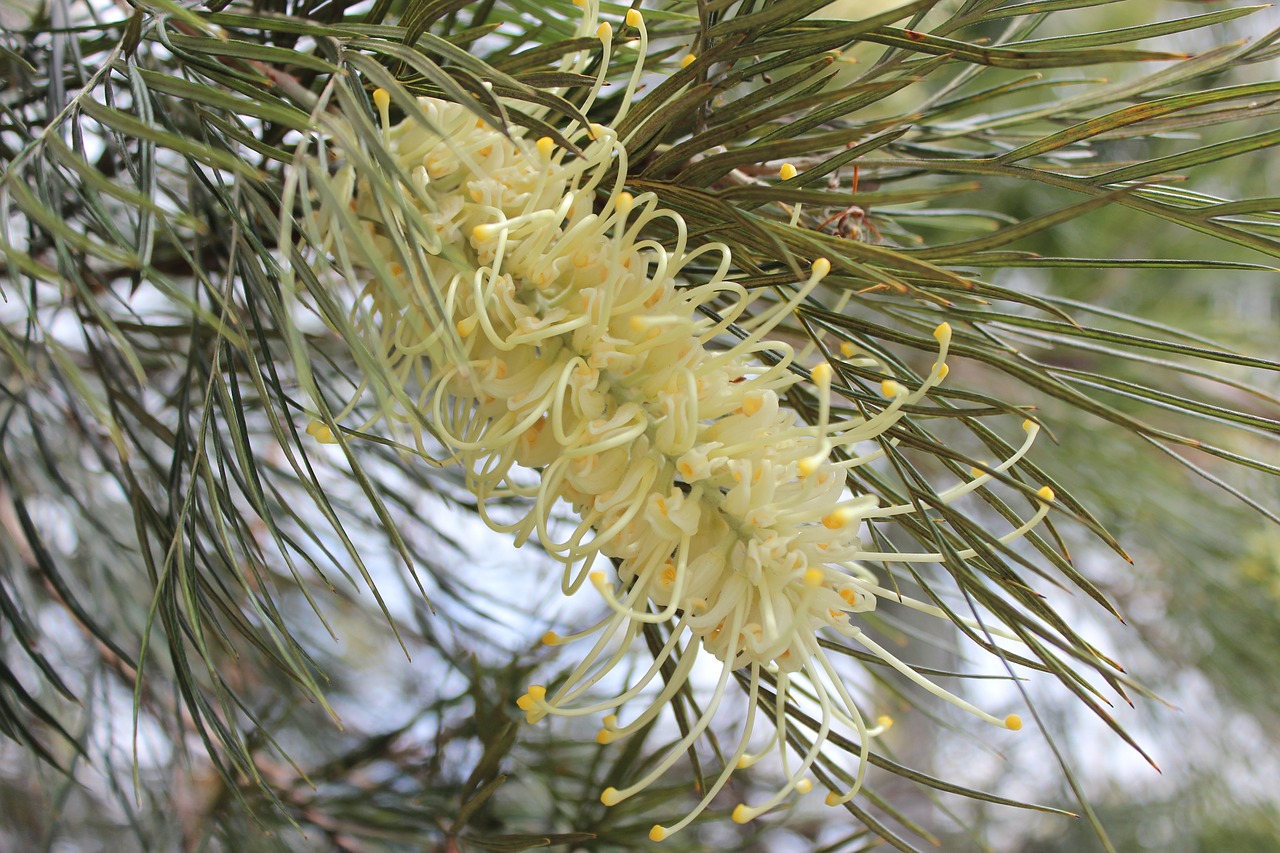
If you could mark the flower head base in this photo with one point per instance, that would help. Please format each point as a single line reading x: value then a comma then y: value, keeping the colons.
x: 602, y: 359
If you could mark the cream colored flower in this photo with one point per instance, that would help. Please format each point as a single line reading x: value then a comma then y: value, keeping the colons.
x: 583, y: 352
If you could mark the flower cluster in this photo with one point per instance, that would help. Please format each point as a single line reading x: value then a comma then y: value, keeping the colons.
x: 544, y: 329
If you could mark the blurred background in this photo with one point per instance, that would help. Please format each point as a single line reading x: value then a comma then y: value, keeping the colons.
x: 428, y: 739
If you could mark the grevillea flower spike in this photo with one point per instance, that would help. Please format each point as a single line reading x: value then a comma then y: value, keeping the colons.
x: 574, y: 345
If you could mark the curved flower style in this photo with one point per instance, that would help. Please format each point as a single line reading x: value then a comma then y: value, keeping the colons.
x: 649, y: 398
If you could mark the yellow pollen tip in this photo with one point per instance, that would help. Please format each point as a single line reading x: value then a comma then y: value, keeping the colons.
x: 943, y: 332
x: 821, y: 267
x: 551, y: 638
x: 597, y: 578
x: 836, y: 519
x: 688, y: 60
x: 609, y: 796
x: 536, y: 693
x: 604, y: 737
x: 604, y: 31
x: 1045, y: 494
x: 742, y: 813
x: 890, y: 388
x: 943, y: 370
x: 466, y: 325
x: 884, y: 722
x: 486, y: 231
x: 833, y: 799
x: 1013, y: 722
x: 321, y: 433
x: 624, y: 202
x: 609, y: 721
x: 751, y: 404
x: 976, y: 472
x: 634, y: 18
x: 787, y: 172
x: 809, y: 464
x: 821, y: 374
x: 847, y: 349
x: 804, y: 786
x: 1029, y: 425
x: 381, y: 99
x: 545, y: 146
x: 814, y: 577
x: 658, y: 833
